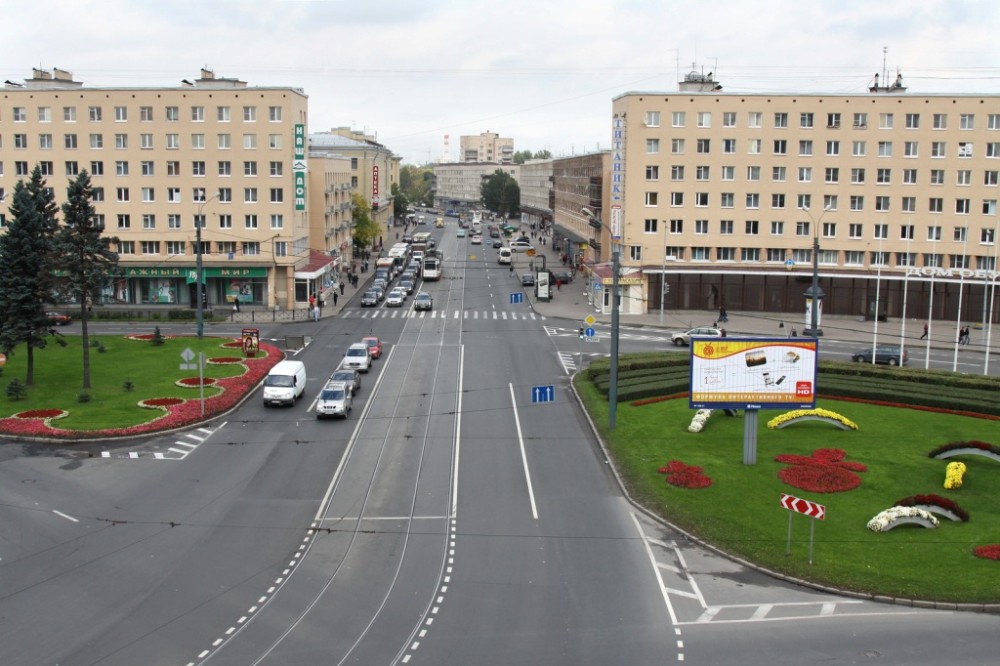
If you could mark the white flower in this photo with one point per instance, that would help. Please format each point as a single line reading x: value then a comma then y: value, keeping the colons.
x: 695, y: 427
x: 883, y: 522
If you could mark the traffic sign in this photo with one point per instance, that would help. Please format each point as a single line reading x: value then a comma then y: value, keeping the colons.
x: 543, y: 393
x: 589, y: 332
x: 798, y: 505
x: 517, y: 297
x: 187, y: 355
x: 789, y: 264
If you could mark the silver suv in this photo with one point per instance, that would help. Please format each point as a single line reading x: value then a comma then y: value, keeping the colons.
x: 357, y: 357
x: 334, y: 400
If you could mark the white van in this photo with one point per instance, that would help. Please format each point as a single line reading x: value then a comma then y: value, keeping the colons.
x: 284, y: 383
x: 504, y: 255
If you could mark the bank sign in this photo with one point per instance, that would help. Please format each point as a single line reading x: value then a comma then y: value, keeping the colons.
x: 300, y: 167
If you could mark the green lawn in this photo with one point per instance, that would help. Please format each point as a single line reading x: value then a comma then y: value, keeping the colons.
x: 153, y: 370
x: 739, y: 512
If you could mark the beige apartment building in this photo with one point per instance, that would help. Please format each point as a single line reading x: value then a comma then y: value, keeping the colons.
x: 213, y: 152
x: 724, y: 195
x: 487, y: 147
x: 458, y: 186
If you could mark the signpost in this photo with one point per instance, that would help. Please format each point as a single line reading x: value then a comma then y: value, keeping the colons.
x: 543, y: 394
x: 517, y: 297
x: 187, y: 356
x: 811, y: 509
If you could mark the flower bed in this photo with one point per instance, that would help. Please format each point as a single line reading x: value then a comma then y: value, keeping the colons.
x: 195, y: 382
x: 700, y: 420
x: 941, y: 506
x: 224, y: 360
x: 41, y: 414
x: 968, y: 448
x: 953, y: 475
x: 160, y: 403
x: 824, y: 415
x: 991, y: 552
x: 901, y: 515
x: 825, y: 471
x: 185, y: 413
x: 685, y: 476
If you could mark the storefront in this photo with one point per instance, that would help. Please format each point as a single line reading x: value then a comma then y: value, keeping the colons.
x: 177, y: 286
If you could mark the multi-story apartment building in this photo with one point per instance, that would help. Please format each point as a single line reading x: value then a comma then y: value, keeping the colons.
x: 459, y: 185
x: 487, y: 147
x: 374, y: 169
x: 213, y: 153
x: 725, y: 195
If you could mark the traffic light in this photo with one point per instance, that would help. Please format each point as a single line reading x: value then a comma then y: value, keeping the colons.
x: 583, y: 333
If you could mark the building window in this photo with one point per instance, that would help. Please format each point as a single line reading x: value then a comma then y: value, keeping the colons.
x: 959, y: 261
x: 729, y: 119
x: 857, y: 176
x: 173, y: 142
x: 676, y: 172
x: 728, y: 173
x: 725, y: 254
x: 703, y: 146
x: 854, y: 258
x: 121, y: 194
x: 652, y: 172
x: 778, y: 174
x: 249, y: 141
x: 727, y: 200
x: 776, y: 255
x: 961, y: 206
x: 249, y: 114
x: 833, y: 120
x: 652, y: 146
x: 781, y: 119
x: 802, y: 228
x: 173, y: 195
x: 803, y: 201
x: 911, y: 149
x: 885, y: 148
x: 121, y: 114
x: 964, y: 149
x: 277, y: 195
x: 124, y: 221
x: 990, y: 178
x: 635, y: 252
x: 249, y: 195
x: 933, y: 260
x: 967, y: 121
x: 148, y: 195
x: 224, y: 142
x: 676, y: 146
x: 960, y: 234
x: 963, y: 177
x: 222, y: 114
x: 726, y: 227
x: 935, y: 205
x: 175, y: 247
x: 174, y: 221
x: 777, y: 228
x: 126, y: 247
x: 805, y: 148
x: 753, y: 173
x: 938, y: 149
x: 937, y: 176
x: 909, y: 176
x: 805, y: 120
x: 881, y: 231
x: 993, y: 150
x: 72, y: 169
x: 250, y: 221
x: 885, y: 121
x: 277, y: 221
x: 777, y: 201
x: 993, y: 121
x: 906, y: 232
x: 934, y: 233
x: 149, y: 221
x: 676, y: 198
x: 857, y: 202
x: 754, y: 119
x: 225, y: 221
x: 225, y: 168
x: 860, y: 120
x: 986, y: 237
x: 753, y: 200
x: 281, y: 248
x: 729, y: 146
x: 96, y: 168
x: 277, y: 168
x: 197, y: 114
x: 274, y: 141
x: 883, y: 176
x: 882, y: 204
x: 858, y: 148
x: 225, y: 195
x: 754, y: 146
x: 701, y: 227
x: 831, y: 175
x: 940, y: 121
x: 700, y: 253
x: 751, y: 227
x: 674, y: 252
x: 855, y: 230
x: 121, y: 141
x: 912, y: 121
x: 652, y: 119
x: 704, y: 119
x: 677, y: 119
x: 250, y: 168
x: 149, y: 247
x: 701, y: 199
x: 198, y: 168
x: 649, y: 225
x: 676, y: 226
x: 652, y: 199
x: 780, y: 147
x: 832, y: 148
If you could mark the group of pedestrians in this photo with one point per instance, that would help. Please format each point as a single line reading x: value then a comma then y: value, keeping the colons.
x: 963, y: 335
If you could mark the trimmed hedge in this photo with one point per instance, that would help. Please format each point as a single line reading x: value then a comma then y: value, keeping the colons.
x: 666, y: 373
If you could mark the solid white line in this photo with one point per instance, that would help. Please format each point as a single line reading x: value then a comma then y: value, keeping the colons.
x: 63, y: 515
x: 656, y: 570
x: 180, y: 451
x: 524, y: 457
x: 691, y: 580
x: 458, y: 429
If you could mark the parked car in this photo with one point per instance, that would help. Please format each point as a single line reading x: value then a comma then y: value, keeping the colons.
x: 374, y: 345
x: 357, y: 357
x: 423, y: 301
x: 58, y: 318
x: 350, y: 377
x: 888, y: 354
x: 395, y: 299
x: 369, y: 299
x: 521, y: 246
x: 460, y: 233
x: 682, y: 338
x: 336, y: 399
x: 527, y: 280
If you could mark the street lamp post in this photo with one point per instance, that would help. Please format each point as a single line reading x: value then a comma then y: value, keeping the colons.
x: 199, y: 271
x: 814, y: 294
x: 596, y: 223
x: 663, y: 270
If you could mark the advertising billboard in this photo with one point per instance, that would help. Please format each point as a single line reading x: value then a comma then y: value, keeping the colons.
x: 753, y: 373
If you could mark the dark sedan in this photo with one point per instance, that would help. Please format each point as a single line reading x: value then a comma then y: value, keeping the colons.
x: 887, y: 354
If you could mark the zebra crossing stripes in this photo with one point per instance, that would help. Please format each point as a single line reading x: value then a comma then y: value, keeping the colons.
x: 386, y: 313
x: 179, y: 450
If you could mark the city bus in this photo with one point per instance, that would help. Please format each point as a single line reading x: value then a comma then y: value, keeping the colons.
x: 433, y: 265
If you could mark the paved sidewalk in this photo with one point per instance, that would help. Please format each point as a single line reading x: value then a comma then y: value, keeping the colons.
x: 570, y: 302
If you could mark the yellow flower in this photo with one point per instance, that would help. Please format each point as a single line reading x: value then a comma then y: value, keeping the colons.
x: 953, y: 475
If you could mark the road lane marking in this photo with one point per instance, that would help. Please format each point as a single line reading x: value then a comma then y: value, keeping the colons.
x: 524, y: 457
x: 66, y: 516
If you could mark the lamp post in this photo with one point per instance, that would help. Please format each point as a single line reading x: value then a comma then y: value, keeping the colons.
x: 199, y: 222
x: 596, y: 223
x: 663, y: 270
x: 814, y: 294
x: 993, y: 297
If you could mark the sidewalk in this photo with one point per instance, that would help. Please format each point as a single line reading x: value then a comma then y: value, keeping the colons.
x: 570, y: 302
x: 263, y: 315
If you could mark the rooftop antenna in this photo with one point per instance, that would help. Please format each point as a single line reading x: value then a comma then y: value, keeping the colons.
x: 885, y: 68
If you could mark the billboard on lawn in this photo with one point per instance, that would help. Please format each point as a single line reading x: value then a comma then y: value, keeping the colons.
x: 753, y: 373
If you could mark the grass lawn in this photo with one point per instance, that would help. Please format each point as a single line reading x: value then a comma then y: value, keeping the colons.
x: 153, y: 371
x: 740, y: 513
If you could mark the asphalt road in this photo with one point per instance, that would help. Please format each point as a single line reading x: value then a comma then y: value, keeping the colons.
x: 449, y: 520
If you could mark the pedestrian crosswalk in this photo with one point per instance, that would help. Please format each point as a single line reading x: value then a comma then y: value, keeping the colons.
x: 403, y: 313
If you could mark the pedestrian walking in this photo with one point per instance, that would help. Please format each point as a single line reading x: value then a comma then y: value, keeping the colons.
x: 341, y: 293
x: 236, y: 305
x: 312, y: 301
x: 335, y: 294
x: 924, y: 336
x: 558, y: 284
x: 315, y: 313
x: 723, y: 317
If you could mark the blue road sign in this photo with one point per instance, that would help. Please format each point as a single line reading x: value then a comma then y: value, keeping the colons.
x: 543, y: 393
x: 589, y: 332
x: 517, y: 298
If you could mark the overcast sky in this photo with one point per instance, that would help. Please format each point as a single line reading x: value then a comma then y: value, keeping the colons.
x: 543, y: 72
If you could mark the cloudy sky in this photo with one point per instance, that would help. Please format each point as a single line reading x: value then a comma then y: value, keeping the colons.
x: 543, y: 72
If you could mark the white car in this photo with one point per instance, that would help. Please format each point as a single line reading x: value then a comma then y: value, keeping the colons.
x: 682, y: 338
x: 358, y: 357
x: 395, y: 298
x: 520, y: 246
x: 477, y: 239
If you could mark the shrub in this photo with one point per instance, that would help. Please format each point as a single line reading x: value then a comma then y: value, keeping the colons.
x: 16, y: 390
x: 128, y: 385
x: 157, y: 338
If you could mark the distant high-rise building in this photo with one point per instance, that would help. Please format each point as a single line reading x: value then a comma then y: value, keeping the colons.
x: 487, y: 147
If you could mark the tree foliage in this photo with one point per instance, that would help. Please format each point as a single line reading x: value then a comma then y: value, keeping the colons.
x: 417, y: 183
x: 365, y: 229
x: 26, y: 282
x: 522, y: 156
x: 86, y: 261
x: 501, y: 193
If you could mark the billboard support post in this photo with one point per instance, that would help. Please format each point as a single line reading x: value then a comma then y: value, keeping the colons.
x: 750, y: 436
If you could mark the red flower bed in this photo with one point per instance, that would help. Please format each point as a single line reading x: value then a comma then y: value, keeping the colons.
x: 935, y: 500
x: 991, y: 552
x: 184, y: 414
x: 685, y: 476
x: 823, y: 472
x: 40, y: 414
x: 160, y: 402
x: 224, y: 360
x: 233, y: 344
x: 661, y: 398
x: 195, y: 381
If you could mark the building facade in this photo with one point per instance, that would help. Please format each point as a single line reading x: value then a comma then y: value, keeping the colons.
x: 458, y: 186
x: 725, y: 195
x: 213, y: 153
x: 487, y: 147
x: 535, y: 183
